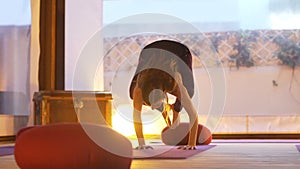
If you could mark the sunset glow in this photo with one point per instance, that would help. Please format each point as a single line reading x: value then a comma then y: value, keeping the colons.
x: 122, y: 121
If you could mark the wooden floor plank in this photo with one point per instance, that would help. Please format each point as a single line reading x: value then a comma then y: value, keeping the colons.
x: 224, y: 155
x: 235, y: 155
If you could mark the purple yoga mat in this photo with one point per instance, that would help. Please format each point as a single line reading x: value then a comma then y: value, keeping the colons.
x: 298, y: 147
x: 6, y: 150
x: 168, y: 152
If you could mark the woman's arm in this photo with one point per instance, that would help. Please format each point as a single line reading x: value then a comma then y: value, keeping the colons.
x: 187, y: 104
x: 137, y: 120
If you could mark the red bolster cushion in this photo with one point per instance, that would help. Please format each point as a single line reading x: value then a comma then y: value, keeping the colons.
x: 180, y: 135
x: 68, y: 146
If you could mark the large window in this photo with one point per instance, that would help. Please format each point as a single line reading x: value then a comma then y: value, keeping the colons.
x: 15, y: 30
x: 250, y: 39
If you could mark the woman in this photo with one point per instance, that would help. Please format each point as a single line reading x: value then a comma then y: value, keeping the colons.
x: 164, y: 67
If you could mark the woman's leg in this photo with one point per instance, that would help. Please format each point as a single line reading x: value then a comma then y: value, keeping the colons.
x: 176, y: 119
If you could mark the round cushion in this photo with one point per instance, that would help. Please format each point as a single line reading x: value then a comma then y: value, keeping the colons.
x: 69, y: 146
x: 180, y: 135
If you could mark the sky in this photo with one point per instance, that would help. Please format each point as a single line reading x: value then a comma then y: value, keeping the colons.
x: 248, y: 14
x: 189, y: 10
x: 15, y: 12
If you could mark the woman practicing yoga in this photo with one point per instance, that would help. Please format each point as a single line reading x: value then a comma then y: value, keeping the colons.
x: 164, y: 66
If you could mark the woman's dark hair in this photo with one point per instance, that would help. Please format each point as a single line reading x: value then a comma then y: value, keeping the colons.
x: 151, y: 79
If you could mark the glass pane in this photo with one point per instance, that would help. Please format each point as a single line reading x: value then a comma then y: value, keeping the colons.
x: 14, y: 65
x: 257, y: 44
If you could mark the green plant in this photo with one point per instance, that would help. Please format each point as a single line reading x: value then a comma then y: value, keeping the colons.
x: 241, y: 56
x: 289, y: 53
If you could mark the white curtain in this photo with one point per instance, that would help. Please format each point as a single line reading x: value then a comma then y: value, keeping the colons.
x: 17, y: 67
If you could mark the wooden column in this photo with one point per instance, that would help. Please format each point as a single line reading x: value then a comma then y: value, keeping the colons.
x: 52, y: 57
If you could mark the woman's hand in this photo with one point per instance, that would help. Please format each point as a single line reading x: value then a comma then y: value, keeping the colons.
x: 188, y: 147
x: 143, y: 147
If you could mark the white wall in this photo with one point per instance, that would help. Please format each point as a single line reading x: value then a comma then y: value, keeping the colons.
x: 82, y: 20
x: 252, y: 103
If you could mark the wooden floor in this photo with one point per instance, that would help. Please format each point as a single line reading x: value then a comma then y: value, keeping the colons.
x: 226, y: 155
